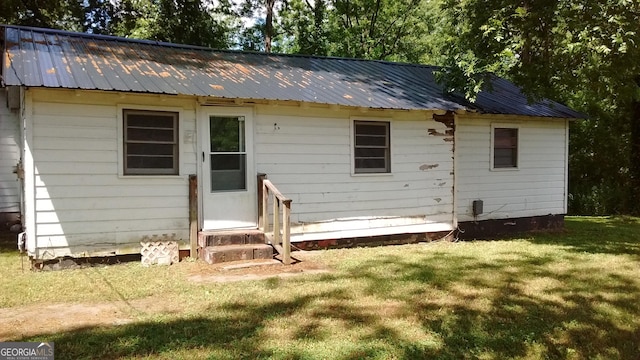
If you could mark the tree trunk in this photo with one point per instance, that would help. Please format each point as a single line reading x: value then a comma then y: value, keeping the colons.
x: 268, y: 31
x: 635, y: 158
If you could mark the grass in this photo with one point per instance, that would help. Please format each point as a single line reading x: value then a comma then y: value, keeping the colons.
x: 571, y: 295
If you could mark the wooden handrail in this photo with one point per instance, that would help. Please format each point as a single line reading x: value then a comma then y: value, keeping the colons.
x: 281, y: 204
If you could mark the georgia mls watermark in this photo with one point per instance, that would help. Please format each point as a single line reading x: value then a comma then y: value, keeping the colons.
x: 26, y: 351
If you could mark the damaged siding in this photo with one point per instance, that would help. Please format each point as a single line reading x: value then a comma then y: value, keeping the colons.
x: 537, y: 187
x: 82, y: 206
x: 308, y: 156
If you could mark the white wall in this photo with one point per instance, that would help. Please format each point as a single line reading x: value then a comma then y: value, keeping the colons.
x: 306, y: 153
x: 82, y: 206
x: 9, y: 157
x: 537, y: 187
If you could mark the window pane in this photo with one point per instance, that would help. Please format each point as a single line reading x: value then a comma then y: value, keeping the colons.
x: 505, y: 158
x: 228, y: 172
x: 150, y: 149
x: 227, y: 161
x: 150, y: 119
x: 227, y: 134
x: 370, y: 152
x: 505, y: 147
x: 143, y: 134
x: 371, y: 129
x: 505, y: 137
x: 378, y: 164
x: 374, y: 140
x: 150, y: 142
x: 149, y: 162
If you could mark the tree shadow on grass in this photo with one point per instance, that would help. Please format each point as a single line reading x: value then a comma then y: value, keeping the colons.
x: 614, y: 235
x: 498, y: 309
x: 511, y: 305
x: 230, y: 332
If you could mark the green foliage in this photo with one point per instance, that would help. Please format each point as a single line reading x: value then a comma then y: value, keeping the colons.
x: 305, y: 27
x: 396, y: 30
x: 583, y: 53
x: 73, y: 15
x: 179, y: 21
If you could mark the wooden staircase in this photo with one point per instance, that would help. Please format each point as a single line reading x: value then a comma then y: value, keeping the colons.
x: 233, y: 245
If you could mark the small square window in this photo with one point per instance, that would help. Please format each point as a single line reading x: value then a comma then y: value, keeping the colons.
x: 505, y: 148
x: 371, y: 147
x: 150, y: 142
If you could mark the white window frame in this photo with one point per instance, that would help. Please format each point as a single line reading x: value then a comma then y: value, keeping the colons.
x: 181, y: 145
x: 518, y: 146
x: 352, y: 144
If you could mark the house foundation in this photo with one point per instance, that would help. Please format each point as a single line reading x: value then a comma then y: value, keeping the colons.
x: 489, y: 229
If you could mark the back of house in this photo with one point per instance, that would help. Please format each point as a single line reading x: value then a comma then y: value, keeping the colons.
x: 101, y: 135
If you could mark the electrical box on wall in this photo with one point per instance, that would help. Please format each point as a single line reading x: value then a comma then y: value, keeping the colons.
x: 477, y: 207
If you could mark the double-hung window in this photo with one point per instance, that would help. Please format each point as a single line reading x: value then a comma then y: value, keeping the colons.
x: 150, y: 142
x: 505, y: 147
x: 372, y: 148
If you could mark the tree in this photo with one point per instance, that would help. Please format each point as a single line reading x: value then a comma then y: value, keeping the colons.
x: 56, y: 14
x: 305, y: 27
x: 583, y: 52
x: 180, y: 21
x: 375, y: 29
x: 370, y: 29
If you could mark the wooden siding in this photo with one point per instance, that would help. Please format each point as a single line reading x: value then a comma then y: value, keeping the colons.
x: 537, y: 187
x: 9, y: 157
x: 307, y: 153
x: 82, y: 206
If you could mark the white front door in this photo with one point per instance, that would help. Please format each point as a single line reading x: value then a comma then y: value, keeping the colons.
x: 229, y: 199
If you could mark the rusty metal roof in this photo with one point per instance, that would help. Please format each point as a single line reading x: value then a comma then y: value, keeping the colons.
x: 57, y: 59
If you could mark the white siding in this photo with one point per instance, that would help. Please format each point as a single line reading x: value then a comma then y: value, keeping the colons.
x: 536, y: 188
x: 82, y: 206
x: 9, y: 157
x: 307, y: 155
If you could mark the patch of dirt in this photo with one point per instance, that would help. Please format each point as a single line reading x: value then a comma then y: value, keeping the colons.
x: 42, y: 319
x: 255, y: 270
x: 39, y: 319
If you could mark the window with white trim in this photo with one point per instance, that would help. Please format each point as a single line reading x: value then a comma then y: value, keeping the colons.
x: 150, y: 142
x: 505, y: 148
x: 372, y: 152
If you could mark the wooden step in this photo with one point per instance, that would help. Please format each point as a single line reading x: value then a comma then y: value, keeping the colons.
x: 230, y: 237
x: 223, y: 253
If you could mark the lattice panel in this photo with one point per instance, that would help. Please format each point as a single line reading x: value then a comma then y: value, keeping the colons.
x: 159, y: 252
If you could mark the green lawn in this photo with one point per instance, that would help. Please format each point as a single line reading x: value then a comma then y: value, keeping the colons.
x: 572, y: 295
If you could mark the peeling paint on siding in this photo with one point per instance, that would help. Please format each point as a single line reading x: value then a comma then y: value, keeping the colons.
x: 425, y: 167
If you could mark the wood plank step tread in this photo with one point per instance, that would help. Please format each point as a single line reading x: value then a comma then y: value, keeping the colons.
x: 238, y: 246
x: 230, y: 232
x: 236, y: 237
x: 225, y: 253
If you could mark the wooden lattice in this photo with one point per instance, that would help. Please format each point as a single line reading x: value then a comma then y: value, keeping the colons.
x: 159, y: 252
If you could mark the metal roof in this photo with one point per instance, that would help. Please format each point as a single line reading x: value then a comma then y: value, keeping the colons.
x: 37, y: 57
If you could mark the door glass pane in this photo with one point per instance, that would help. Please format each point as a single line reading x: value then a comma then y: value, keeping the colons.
x: 227, y: 134
x: 228, y: 172
x: 227, y: 157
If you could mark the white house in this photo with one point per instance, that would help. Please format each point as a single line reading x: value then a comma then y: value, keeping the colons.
x: 100, y: 135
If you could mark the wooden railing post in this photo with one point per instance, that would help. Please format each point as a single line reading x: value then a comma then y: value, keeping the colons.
x: 286, y: 231
x: 261, y: 202
x: 276, y: 221
x: 193, y: 216
x: 265, y: 208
